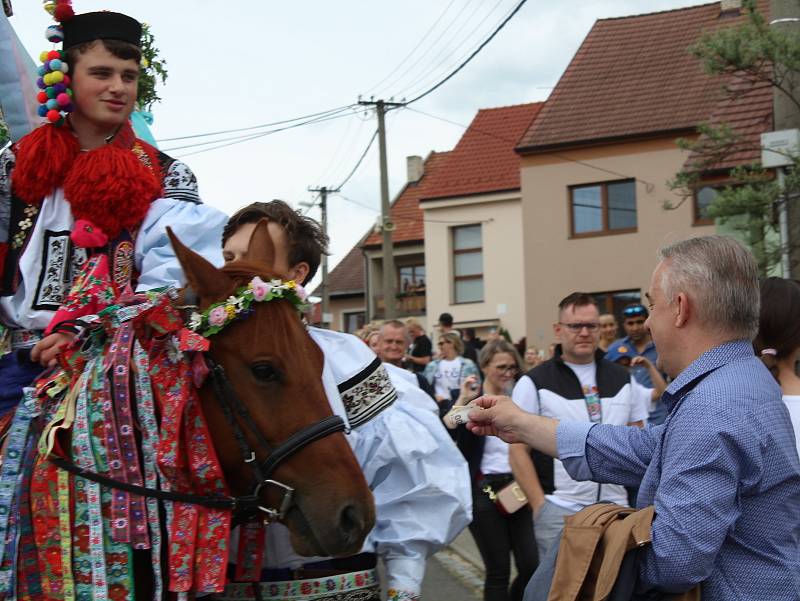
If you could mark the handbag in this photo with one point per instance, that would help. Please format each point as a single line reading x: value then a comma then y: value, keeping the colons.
x: 508, y: 499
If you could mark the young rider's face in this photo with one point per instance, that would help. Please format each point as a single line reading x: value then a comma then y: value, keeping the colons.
x: 104, y: 88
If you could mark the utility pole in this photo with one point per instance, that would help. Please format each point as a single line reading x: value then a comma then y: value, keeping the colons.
x: 785, y: 17
x: 387, y: 226
x: 323, y: 205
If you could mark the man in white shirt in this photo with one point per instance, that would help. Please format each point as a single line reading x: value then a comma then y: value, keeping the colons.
x: 577, y: 384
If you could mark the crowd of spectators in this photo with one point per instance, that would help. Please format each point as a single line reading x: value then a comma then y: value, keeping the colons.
x: 589, y: 373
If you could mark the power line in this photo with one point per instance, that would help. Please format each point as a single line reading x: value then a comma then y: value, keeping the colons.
x: 473, y: 55
x: 246, y: 138
x: 360, y: 160
x: 423, y: 80
x: 415, y: 48
x: 424, y: 55
x: 261, y: 126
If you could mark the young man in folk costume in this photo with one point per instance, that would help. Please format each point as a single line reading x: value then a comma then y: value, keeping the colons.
x: 82, y: 196
x: 418, y: 478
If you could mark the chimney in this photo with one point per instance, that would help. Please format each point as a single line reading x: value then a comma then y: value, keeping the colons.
x: 415, y: 168
x: 726, y: 6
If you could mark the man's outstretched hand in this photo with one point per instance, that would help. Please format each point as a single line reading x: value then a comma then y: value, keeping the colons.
x: 496, y: 416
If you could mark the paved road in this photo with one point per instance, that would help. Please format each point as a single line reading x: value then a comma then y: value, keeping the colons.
x: 449, y: 578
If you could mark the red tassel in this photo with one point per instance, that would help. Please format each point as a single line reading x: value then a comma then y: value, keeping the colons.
x: 63, y: 11
x: 111, y: 188
x: 43, y: 158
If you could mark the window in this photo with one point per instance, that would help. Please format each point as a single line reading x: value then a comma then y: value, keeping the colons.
x: 412, y: 279
x: 467, y: 264
x: 603, y: 208
x: 615, y: 302
x: 353, y: 321
x: 703, y: 197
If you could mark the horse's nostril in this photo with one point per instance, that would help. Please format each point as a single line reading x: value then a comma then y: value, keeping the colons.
x: 351, y: 522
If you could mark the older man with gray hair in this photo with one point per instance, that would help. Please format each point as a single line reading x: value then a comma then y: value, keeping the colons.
x: 722, y: 471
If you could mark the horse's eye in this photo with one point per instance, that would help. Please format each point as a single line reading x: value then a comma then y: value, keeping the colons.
x: 266, y: 372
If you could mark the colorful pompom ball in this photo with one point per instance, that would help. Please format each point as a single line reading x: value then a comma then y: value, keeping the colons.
x: 54, y: 34
x: 63, y: 12
x: 53, y: 54
x: 41, y: 97
x: 42, y: 70
x: 52, y: 104
x: 63, y: 100
x: 40, y: 83
x: 59, y: 88
x: 50, y: 7
x: 67, y: 80
x: 56, y: 76
x: 43, y: 56
x: 50, y: 92
x: 53, y: 116
x: 55, y: 64
x: 64, y: 67
x: 42, y: 110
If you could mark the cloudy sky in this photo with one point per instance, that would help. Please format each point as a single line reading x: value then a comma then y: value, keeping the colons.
x: 243, y: 63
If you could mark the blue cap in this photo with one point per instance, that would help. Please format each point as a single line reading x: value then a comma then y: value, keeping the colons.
x: 618, y: 351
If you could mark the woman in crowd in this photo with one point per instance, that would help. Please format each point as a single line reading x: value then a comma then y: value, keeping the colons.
x: 778, y: 340
x: 498, y: 534
x: 449, y: 370
x: 609, y: 330
x: 533, y: 357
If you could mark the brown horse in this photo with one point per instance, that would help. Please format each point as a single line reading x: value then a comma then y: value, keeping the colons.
x: 276, y: 369
x: 282, y: 452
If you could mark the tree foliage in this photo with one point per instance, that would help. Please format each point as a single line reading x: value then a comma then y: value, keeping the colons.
x: 745, y: 56
x: 153, y: 71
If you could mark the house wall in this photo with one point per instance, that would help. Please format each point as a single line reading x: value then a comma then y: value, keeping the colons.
x: 503, y: 286
x: 556, y: 265
x: 340, y: 306
x: 406, y: 254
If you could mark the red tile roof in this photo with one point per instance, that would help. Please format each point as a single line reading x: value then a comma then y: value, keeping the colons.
x: 632, y: 76
x: 749, y: 114
x: 348, y: 275
x: 484, y: 159
x: 405, y: 211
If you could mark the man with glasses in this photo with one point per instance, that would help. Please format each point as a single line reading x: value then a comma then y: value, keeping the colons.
x: 638, y: 342
x: 577, y: 384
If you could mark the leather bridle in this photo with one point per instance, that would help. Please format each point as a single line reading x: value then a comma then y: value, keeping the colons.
x: 235, y: 411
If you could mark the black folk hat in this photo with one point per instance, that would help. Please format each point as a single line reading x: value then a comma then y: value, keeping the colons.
x: 88, y: 27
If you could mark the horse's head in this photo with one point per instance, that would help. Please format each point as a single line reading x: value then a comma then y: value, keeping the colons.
x: 275, y: 371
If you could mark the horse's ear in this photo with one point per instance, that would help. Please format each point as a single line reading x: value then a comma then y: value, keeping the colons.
x: 205, y: 279
x: 261, y: 248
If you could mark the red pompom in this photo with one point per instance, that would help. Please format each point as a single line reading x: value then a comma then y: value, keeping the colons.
x: 42, y: 97
x: 66, y: 80
x: 63, y: 12
x: 43, y: 158
x: 53, y: 115
x: 53, y: 54
x: 111, y: 188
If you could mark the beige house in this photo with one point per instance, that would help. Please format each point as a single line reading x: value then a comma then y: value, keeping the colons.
x: 411, y: 276
x: 473, y: 226
x: 597, y: 159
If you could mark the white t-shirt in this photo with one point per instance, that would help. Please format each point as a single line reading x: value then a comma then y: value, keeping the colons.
x: 793, y: 403
x: 448, y: 373
x: 625, y: 407
x: 495, y: 457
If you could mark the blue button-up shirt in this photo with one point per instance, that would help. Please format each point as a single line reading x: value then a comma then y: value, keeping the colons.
x: 722, y: 472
